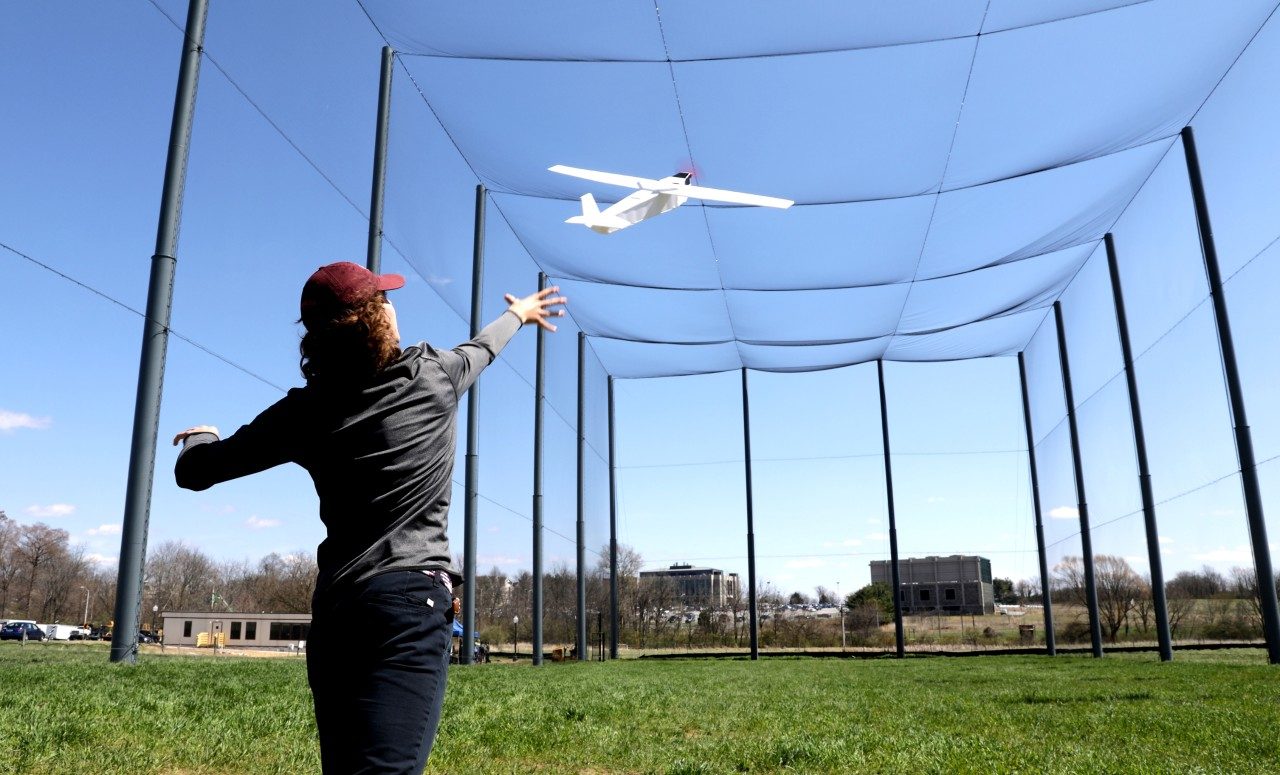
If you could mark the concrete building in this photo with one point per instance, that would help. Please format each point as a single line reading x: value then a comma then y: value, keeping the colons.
x: 701, y: 587
x: 957, y: 584
x: 238, y: 629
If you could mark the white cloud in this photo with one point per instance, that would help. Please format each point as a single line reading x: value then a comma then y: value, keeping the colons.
x: 873, y: 521
x: 103, y: 530
x: 100, y: 559
x: 878, y: 537
x: 1240, y: 554
x: 10, y: 421
x: 1166, y: 540
x: 935, y: 499
x: 493, y: 529
x: 258, y: 523
x: 51, y: 510
x: 1064, y: 512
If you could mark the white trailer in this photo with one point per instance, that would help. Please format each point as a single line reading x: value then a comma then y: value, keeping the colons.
x: 57, y: 631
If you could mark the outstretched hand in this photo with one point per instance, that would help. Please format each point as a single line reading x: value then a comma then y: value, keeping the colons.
x: 192, y: 431
x: 538, y: 307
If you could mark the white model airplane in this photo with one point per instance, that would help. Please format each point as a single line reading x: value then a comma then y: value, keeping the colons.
x: 653, y: 197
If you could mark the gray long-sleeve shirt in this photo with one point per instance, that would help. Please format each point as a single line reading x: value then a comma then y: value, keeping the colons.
x: 381, y: 457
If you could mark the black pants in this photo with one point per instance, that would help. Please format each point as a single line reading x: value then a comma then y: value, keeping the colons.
x: 377, y: 661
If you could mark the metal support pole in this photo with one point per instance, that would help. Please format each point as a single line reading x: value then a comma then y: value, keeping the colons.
x: 155, y: 343
x: 899, y: 639
x: 582, y: 498
x: 613, y: 534
x: 1086, y: 542
x: 472, y: 483
x: 751, y: 525
x: 1049, y: 640
x: 539, y: 383
x: 374, y: 256
x: 1244, y: 439
x: 1144, y: 470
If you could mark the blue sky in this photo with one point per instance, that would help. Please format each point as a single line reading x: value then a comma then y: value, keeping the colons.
x: 90, y: 92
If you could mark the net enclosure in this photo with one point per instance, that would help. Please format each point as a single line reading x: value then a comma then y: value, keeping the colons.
x: 953, y: 164
x: 966, y: 174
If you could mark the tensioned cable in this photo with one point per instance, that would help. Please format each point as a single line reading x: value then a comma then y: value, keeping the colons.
x: 222, y: 358
x: 421, y: 94
x: 204, y: 52
x: 503, y: 191
x: 737, y: 57
x: 881, y: 553
x: 1199, y: 108
x: 1171, y: 498
x: 856, y: 456
x: 332, y: 184
x: 1160, y: 338
x: 951, y: 146
x: 684, y: 129
x: 527, y: 518
x: 994, y: 264
x: 144, y: 316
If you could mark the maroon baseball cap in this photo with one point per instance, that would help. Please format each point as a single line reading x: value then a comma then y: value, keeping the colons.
x: 342, y: 286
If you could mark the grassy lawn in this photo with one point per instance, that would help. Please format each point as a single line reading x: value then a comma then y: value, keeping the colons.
x: 64, y: 709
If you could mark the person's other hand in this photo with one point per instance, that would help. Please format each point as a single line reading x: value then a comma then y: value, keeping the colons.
x: 197, y: 429
x: 538, y: 307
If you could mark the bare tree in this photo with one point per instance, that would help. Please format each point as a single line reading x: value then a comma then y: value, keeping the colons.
x: 1115, y: 582
x: 1118, y: 588
x: 38, y: 547
x: 1204, y: 584
x: 1027, y: 590
x: 1144, y: 605
x: 9, y: 566
x: 491, y: 598
x: 180, y: 578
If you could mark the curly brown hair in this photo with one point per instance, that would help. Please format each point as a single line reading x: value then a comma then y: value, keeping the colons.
x: 350, y: 347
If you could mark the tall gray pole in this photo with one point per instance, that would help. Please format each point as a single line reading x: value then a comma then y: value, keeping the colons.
x: 1086, y: 541
x: 539, y: 383
x: 473, y: 448
x: 751, y: 524
x: 613, y: 534
x: 899, y: 639
x: 1244, y: 439
x: 1049, y: 640
x: 1144, y: 470
x: 155, y: 342
x: 373, y: 260
x: 582, y: 498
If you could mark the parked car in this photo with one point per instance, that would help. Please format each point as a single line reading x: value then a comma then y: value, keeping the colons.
x: 99, y: 633
x: 15, y: 631
x: 146, y: 636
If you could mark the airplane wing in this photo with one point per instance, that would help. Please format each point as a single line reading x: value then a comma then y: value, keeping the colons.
x: 609, y: 178
x: 734, y: 197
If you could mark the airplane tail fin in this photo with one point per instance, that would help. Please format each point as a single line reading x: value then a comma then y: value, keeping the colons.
x: 595, y: 220
x: 590, y: 211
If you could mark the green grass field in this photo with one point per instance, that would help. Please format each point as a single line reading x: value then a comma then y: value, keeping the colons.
x: 63, y: 708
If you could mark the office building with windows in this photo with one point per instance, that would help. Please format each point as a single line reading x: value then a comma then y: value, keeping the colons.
x: 956, y: 584
x: 700, y: 587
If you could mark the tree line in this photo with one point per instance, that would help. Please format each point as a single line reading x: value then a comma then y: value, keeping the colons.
x: 43, y: 576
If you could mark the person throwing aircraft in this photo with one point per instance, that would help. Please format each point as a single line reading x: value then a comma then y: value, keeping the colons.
x: 375, y: 427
